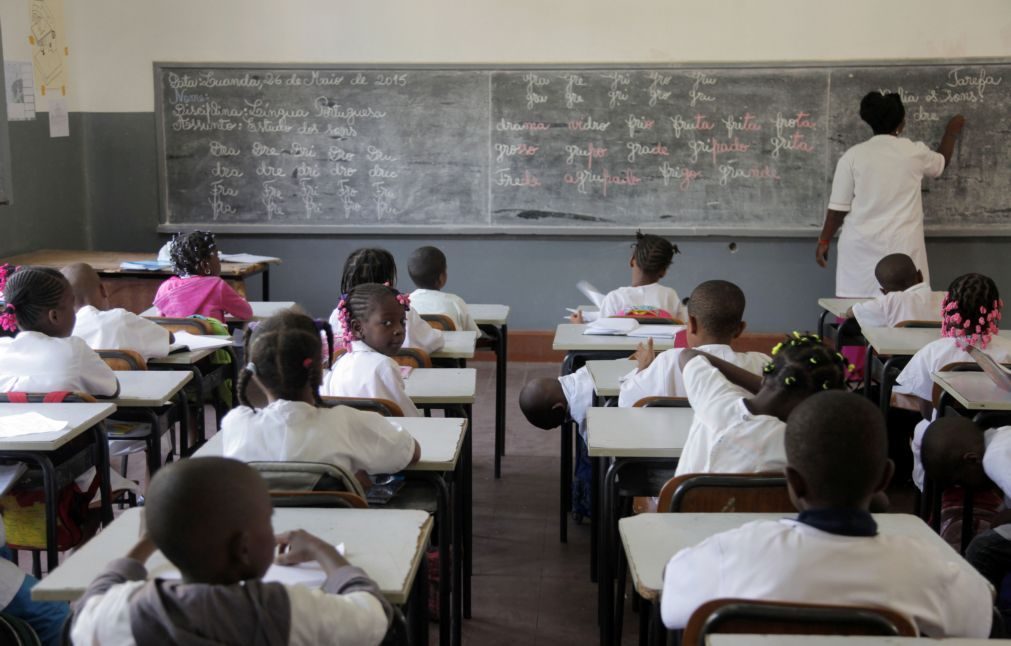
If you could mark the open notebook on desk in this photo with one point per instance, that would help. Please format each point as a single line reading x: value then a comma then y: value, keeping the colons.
x: 185, y: 341
x: 632, y: 328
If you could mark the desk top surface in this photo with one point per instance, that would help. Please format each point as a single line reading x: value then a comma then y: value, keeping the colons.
x: 898, y: 341
x: 607, y: 374
x: 442, y: 385
x: 974, y: 390
x: 569, y: 336
x: 839, y: 306
x: 261, y: 310
x: 488, y: 314
x: 650, y: 540
x: 637, y: 432
x: 107, y: 262
x: 458, y: 345
x: 387, y: 543
x: 187, y: 358
x: 146, y: 388
x: 79, y: 418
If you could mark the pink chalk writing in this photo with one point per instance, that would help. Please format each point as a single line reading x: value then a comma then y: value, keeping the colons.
x: 638, y: 124
x: 589, y: 123
x: 745, y: 123
x: 585, y: 180
x: 504, y: 125
x: 691, y: 124
x: 730, y: 172
x: 635, y: 149
x: 588, y: 152
x: 684, y: 174
x: 503, y: 177
x: 714, y: 147
x: 503, y: 151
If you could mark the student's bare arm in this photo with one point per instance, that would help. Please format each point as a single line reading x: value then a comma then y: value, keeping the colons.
x: 833, y: 220
x: 951, y: 133
x: 734, y: 374
x: 299, y: 546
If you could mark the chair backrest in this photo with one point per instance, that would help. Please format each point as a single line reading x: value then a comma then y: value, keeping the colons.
x: 726, y: 493
x: 440, y: 322
x: 307, y: 477
x: 744, y: 616
x: 62, y: 396
x: 384, y: 407
x: 913, y: 323
x: 338, y: 499
x: 413, y: 358
x: 656, y: 401
x: 193, y: 326
x: 123, y: 359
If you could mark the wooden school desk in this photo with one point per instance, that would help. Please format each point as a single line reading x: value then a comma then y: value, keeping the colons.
x: 607, y: 374
x: 84, y: 426
x: 134, y: 289
x: 458, y: 345
x: 650, y: 540
x: 188, y: 360
x: 261, y: 310
x: 836, y: 307
x: 645, y: 436
x: 388, y: 544
x: 491, y: 319
x: 579, y: 347
x: 888, y: 351
x: 975, y: 391
x: 842, y: 640
x: 144, y: 395
x: 441, y: 440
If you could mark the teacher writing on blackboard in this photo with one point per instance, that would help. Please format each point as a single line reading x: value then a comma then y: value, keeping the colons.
x: 876, y: 196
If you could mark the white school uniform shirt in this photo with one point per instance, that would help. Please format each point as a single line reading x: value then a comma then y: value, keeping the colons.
x: 578, y: 389
x: 417, y: 332
x: 119, y: 329
x: 650, y: 296
x: 786, y: 560
x: 432, y: 301
x: 289, y: 431
x: 917, y: 303
x: 363, y: 372
x: 33, y: 362
x: 663, y: 378
x: 878, y: 183
x: 997, y: 466
x: 915, y: 380
x: 725, y: 436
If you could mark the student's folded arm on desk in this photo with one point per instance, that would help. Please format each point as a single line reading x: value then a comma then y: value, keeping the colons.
x: 712, y: 396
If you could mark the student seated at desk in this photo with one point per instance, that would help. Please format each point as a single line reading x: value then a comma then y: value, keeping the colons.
x: 958, y: 452
x: 44, y: 357
x: 197, y: 288
x: 715, y: 318
x: 427, y: 268
x: 223, y: 549
x: 45, y: 617
x: 740, y: 417
x: 904, y: 295
x: 377, y: 266
x: 103, y: 328
x: 836, y: 447
x: 284, y: 362
x: 971, y: 317
x: 372, y: 319
x: 651, y: 256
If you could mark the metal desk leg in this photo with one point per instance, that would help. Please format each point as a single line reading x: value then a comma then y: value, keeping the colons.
x: 821, y: 323
x: 444, y: 516
x: 605, y: 577
x: 565, y: 486
x: 596, y: 464
x: 102, y: 468
x: 466, y: 512
x: 266, y: 283
x: 456, y: 555
x: 417, y: 607
x: 868, y: 370
x: 500, y: 388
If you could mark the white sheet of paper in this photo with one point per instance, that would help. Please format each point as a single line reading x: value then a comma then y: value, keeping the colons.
x: 59, y: 117
x: 28, y: 424
x: 200, y: 341
x: 612, y: 326
x: 658, y: 331
x: 308, y: 574
x: 246, y: 257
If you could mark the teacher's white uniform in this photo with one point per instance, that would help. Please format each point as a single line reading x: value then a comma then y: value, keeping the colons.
x: 878, y: 182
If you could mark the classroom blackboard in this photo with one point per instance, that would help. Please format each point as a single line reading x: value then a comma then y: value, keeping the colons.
x: 5, y: 150
x: 745, y: 149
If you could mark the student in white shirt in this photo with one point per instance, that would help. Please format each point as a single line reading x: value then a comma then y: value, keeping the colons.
x: 44, y: 357
x: 211, y: 517
x: 971, y: 317
x: 876, y: 196
x: 427, y: 268
x: 904, y: 295
x: 651, y: 256
x: 103, y: 328
x: 45, y: 617
x: 372, y: 319
x: 378, y: 266
x: 284, y: 363
x: 957, y: 452
x: 832, y: 553
x: 742, y: 416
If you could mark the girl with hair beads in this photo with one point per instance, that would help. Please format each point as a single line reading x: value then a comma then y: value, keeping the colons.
x: 740, y: 417
x: 43, y: 356
x: 970, y: 316
x: 197, y: 288
x: 651, y: 256
x: 378, y: 266
x: 372, y: 318
x: 284, y: 362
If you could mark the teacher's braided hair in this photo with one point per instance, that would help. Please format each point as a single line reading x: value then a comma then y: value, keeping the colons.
x: 368, y: 265
x: 30, y: 293
x: 285, y: 354
x: 803, y: 364
x: 653, y: 254
x: 189, y: 250
x: 971, y: 311
x: 882, y: 112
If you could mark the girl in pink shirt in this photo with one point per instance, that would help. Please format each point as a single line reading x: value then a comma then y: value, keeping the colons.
x: 197, y: 287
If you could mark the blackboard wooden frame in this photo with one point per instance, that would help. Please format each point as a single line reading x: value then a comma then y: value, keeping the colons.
x: 493, y: 230
x: 6, y: 180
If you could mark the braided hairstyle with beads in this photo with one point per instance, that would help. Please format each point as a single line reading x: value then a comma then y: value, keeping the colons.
x: 8, y: 322
x: 971, y: 311
x: 653, y: 254
x: 801, y: 363
x: 368, y: 266
x: 189, y: 250
x: 285, y: 354
x: 30, y: 293
x: 357, y: 305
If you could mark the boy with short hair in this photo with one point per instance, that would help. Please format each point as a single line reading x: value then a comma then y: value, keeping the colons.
x: 427, y: 268
x: 836, y: 448
x: 211, y: 518
x: 103, y: 328
x: 904, y: 295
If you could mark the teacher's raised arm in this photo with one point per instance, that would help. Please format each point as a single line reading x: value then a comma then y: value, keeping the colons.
x: 876, y: 198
